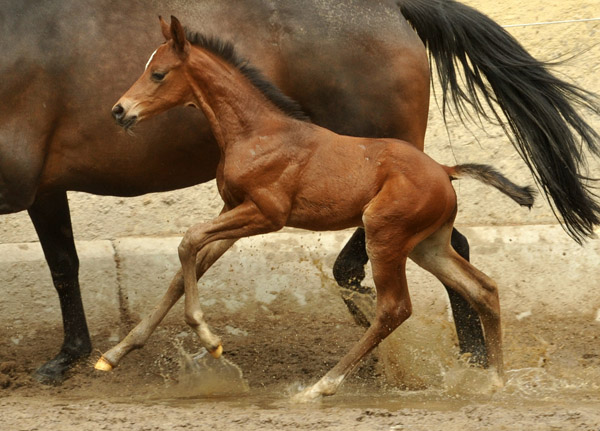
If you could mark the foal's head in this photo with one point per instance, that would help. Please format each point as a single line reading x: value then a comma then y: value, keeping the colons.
x: 163, y: 85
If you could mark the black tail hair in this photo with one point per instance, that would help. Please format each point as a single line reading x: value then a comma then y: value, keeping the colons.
x: 540, y: 109
x: 488, y: 175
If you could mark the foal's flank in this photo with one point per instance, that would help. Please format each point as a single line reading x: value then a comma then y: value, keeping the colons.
x: 277, y: 169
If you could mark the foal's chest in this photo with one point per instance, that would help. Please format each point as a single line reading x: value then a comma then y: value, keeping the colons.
x: 253, y: 168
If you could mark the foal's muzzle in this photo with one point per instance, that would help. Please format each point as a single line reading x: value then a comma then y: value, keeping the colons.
x: 121, y: 117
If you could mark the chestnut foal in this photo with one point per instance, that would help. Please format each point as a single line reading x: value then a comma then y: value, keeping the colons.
x: 279, y: 170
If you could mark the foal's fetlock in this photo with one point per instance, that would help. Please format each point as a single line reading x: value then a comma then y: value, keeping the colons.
x: 210, y: 341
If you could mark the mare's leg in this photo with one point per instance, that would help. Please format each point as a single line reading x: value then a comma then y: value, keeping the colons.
x: 466, y: 319
x: 51, y: 218
x: 349, y: 272
x: 437, y: 256
x: 138, y: 336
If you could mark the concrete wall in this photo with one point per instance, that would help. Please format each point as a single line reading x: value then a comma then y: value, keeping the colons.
x: 539, y: 270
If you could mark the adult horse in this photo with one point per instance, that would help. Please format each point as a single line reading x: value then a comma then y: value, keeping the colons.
x: 355, y: 67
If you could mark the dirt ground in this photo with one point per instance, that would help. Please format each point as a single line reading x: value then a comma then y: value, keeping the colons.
x: 553, y: 378
x: 553, y: 383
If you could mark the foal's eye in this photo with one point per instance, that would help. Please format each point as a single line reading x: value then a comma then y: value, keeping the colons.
x: 158, y: 76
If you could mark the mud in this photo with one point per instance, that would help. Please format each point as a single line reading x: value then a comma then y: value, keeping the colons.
x: 418, y: 383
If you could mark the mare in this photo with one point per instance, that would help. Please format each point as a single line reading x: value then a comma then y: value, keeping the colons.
x: 355, y: 67
x: 277, y: 169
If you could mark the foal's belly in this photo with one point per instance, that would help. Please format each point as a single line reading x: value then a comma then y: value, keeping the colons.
x: 327, y: 213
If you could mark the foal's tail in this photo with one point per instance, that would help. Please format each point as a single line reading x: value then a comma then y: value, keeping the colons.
x: 486, y: 174
x: 503, y: 82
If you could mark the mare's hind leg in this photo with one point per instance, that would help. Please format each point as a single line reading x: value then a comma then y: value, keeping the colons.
x: 468, y: 325
x: 52, y: 223
x: 437, y: 256
x: 349, y: 272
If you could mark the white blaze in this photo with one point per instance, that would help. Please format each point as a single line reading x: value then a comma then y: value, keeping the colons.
x: 150, y: 59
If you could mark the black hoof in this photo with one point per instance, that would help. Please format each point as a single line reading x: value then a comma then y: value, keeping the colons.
x: 55, y: 370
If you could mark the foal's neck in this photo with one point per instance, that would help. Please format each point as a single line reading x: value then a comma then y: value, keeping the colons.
x: 234, y: 107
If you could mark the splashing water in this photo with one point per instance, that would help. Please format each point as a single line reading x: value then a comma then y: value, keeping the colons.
x: 201, y: 375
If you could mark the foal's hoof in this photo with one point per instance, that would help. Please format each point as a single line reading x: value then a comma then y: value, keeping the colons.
x: 217, y: 352
x: 103, y: 365
x: 308, y: 395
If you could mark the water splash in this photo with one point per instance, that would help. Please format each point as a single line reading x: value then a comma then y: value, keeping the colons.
x: 201, y: 375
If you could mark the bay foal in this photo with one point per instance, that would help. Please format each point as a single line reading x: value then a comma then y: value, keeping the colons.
x: 277, y: 169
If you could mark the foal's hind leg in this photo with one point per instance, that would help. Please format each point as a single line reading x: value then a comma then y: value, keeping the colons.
x: 437, y: 256
x: 382, y: 220
x: 349, y: 272
x: 393, y: 308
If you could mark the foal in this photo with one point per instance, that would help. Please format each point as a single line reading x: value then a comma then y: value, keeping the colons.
x: 277, y: 170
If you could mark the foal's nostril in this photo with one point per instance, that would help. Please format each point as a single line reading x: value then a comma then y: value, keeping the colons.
x: 118, y: 111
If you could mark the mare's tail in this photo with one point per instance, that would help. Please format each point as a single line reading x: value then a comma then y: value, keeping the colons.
x: 488, y: 175
x: 539, y: 110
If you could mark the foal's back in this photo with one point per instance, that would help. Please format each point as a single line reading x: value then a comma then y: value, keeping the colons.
x: 343, y: 176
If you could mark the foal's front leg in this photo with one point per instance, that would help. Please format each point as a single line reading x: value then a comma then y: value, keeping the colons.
x: 138, y: 336
x: 242, y: 221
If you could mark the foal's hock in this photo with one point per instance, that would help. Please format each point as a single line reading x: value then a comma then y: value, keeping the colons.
x: 279, y: 170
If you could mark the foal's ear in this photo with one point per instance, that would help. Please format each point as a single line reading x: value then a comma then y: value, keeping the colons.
x: 166, y: 30
x: 178, y: 35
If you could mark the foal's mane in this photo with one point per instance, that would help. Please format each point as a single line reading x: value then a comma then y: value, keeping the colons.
x: 226, y: 51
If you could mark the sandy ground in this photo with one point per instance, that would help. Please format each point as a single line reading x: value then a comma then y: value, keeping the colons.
x: 553, y: 382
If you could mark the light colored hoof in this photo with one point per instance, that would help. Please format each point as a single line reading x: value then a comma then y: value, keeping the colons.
x: 103, y: 365
x: 308, y: 395
x: 217, y: 352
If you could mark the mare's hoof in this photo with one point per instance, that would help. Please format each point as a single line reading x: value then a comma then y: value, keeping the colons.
x: 103, y: 365
x: 54, y: 371
x: 48, y: 375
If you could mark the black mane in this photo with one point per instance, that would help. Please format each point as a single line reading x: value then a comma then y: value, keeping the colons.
x: 226, y: 51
